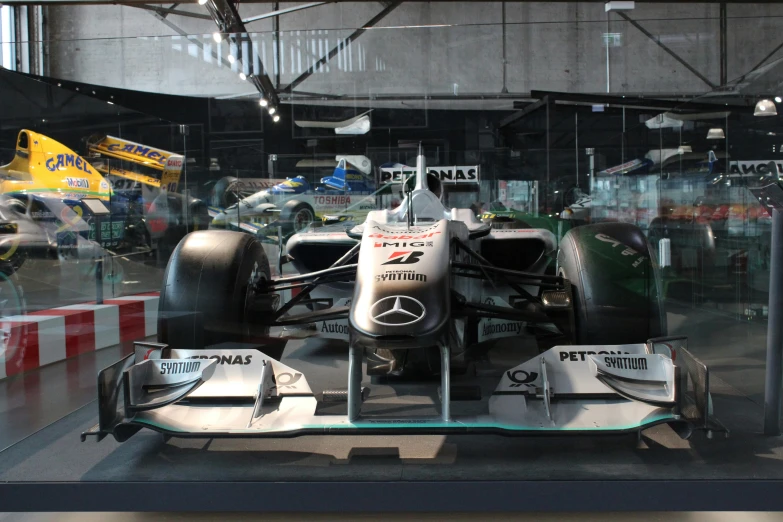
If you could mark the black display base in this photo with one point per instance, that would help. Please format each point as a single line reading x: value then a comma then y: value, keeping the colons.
x: 52, y: 471
x: 397, y: 497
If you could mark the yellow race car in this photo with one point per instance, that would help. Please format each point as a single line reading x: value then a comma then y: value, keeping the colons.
x: 54, y: 203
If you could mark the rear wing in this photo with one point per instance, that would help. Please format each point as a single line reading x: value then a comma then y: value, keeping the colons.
x: 168, y: 163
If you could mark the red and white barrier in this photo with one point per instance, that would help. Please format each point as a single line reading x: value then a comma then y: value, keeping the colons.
x: 48, y: 336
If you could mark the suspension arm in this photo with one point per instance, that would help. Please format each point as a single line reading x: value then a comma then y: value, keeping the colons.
x: 474, y: 275
x: 348, y: 278
x: 312, y: 275
x: 510, y: 273
x: 533, y: 313
x: 475, y: 255
x: 337, y: 312
x: 309, y: 288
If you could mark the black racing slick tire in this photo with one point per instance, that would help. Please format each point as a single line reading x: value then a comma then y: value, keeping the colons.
x: 296, y: 216
x: 226, y: 192
x: 198, y: 215
x: 208, y: 295
x: 615, y: 283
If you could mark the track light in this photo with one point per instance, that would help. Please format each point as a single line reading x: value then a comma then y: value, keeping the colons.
x: 778, y: 99
x: 217, y: 37
x: 202, y: 2
x: 272, y: 110
x: 231, y: 58
x: 263, y: 102
x: 242, y: 76
x: 276, y: 118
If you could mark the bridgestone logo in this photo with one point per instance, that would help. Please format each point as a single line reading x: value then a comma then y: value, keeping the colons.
x: 626, y: 363
x: 401, y: 276
x: 498, y: 328
x: 169, y: 368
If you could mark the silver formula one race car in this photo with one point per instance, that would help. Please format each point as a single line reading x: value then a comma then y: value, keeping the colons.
x: 421, y: 291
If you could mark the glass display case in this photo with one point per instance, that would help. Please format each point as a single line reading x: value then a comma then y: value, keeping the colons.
x: 495, y: 246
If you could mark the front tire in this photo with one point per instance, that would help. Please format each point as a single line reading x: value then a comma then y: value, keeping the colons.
x: 209, y: 286
x: 615, y: 283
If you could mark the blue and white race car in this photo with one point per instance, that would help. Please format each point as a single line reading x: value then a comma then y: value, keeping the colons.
x: 291, y: 205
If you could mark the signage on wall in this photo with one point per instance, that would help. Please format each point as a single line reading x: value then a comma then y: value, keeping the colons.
x: 455, y: 174
x: 759, y: 167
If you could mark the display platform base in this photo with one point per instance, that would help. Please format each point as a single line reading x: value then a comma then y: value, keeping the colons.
x: 53, y: 470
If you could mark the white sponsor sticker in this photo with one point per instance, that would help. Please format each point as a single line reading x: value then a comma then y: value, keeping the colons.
x: 238, y: 373
x: 498, y: 328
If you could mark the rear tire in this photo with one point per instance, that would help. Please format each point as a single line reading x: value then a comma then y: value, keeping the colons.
x: 296, y: 216
x: 225, y: 192
x: 615, y: 283
x: 208, y: 286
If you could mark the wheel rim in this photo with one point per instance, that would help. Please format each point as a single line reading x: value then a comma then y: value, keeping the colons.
x: 302, y: 220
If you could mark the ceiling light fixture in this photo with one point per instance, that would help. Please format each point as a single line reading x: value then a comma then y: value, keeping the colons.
x: 716, y: 134
x: 618, y: 5
x: 272, y: 110
x: 242, y: 76
x: 263, y: 102
x: 276, y: 118
x: 217, y: 37
x: 202, y: 2
x: 231, y: 58
x: 765, y: 108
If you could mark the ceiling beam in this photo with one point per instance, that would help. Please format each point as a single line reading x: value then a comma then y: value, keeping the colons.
x: 282, y: 12
x: 331, y: 54
x: 231, y: 26
x: 671, y: 53
x: 165, y: 11
x: 521, y: 113
x: 638, y: 102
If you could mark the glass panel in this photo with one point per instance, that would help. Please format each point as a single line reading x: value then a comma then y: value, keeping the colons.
x: 538, y: 189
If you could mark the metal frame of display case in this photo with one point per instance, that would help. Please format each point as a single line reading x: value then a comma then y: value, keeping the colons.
x: 398, y: 496
x: 389, y: 496
x: 771, y: 197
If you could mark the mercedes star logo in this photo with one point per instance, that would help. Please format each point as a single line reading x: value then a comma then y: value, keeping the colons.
x: 397, y: 310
